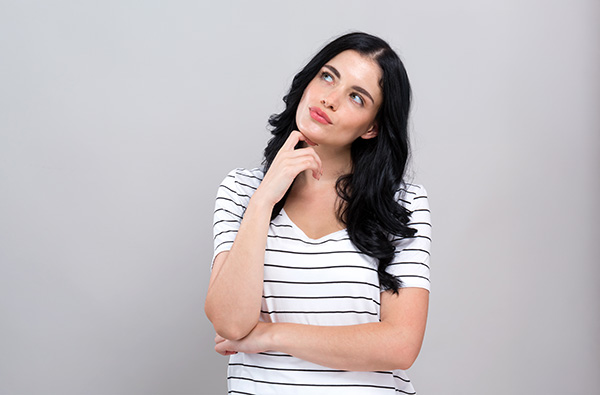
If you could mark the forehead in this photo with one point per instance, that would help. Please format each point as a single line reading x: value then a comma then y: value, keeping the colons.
x: 359, y: 70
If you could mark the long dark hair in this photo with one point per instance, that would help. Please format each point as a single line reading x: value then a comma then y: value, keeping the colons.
x: 369, y: 208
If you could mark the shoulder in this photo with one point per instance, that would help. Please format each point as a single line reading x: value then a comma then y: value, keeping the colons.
x: 412, y: 196
x: 242, y: 179
x: 235, y: 191
x: 250, y: 176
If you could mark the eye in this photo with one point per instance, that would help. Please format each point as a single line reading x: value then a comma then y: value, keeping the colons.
x: 356, y: 98
x: 326, y: 76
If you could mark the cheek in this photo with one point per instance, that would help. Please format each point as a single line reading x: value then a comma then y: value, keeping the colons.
x: 357, y: 121
x: 311, y: 90
x: 302, y: 106
x: 299, y: 111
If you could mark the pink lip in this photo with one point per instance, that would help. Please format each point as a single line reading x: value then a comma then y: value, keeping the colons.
x: 319, y: 115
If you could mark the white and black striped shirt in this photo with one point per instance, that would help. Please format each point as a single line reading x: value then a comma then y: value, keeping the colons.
x: 325, y: 281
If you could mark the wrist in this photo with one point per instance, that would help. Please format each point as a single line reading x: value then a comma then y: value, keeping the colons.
x: 266, y: 335
x: 276, y: 336
x: 261, y: 202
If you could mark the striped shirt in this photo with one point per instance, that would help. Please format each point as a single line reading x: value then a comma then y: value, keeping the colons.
x: 325, y: 281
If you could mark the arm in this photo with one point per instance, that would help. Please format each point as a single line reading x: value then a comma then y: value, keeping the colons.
x: 234, y: 293
x: 392, y: 343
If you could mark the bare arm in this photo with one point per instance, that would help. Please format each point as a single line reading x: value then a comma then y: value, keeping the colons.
x: 393, y: 343
x: 235, y: 289
x: 234, y: 292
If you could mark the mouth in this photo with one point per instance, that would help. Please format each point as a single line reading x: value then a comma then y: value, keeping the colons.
x: 319, y: 115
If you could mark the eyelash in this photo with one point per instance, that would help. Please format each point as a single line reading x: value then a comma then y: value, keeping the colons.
x: 361, y: 102
x: 325, y: 74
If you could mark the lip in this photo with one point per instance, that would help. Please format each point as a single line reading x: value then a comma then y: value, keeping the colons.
x: 319, y: 115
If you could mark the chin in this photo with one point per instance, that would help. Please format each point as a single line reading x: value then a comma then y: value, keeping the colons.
x: 310, y: 134
x: 308, y: 128
x: 302, y: 127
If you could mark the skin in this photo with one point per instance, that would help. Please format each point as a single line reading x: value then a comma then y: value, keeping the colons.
x: 234, y: 296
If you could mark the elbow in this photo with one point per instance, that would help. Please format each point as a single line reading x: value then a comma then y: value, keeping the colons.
x: 405, y: 357
x: 230, y: 328
x: 402, y: 362
x: 232, y: 331
x: 405, y: 363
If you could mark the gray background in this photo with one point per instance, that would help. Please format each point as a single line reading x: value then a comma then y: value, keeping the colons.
x: 118, y: 120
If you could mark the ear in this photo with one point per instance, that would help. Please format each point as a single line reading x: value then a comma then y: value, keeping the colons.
x: 372, y: 132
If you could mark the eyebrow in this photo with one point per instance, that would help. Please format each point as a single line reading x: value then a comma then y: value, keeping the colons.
x: 357, y: 88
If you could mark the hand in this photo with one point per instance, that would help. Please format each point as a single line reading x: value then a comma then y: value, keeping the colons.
x: 256, y: 341
x: 288, y: 163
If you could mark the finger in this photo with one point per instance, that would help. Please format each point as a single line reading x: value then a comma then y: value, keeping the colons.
x: 307, y: 151
x: 309, y: 141
x: 306, y: 159
x: 294, y: 166
x: 294, y: 138
x: 220, y: 349
x: 223, y: 348
x: 225, y: 353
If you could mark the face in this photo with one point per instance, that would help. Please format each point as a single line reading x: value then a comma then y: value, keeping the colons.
x: 340, y: 104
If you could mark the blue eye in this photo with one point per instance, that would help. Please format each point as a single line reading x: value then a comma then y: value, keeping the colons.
x: 356, y: 98
x: 327, y: 77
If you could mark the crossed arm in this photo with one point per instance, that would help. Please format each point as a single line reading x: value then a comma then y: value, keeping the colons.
x: 235, y: 294
x: 392, y: 343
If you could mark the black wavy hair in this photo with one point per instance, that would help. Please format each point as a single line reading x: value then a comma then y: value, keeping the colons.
x: 369, y: 206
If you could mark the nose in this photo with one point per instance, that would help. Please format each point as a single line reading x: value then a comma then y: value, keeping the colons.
x: 330, y: 100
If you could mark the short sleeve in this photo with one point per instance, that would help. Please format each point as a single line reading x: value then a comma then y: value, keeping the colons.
x: 232, y: 199
x: 411, y: 260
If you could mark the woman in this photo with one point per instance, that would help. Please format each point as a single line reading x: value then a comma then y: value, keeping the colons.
x: 320, y: 278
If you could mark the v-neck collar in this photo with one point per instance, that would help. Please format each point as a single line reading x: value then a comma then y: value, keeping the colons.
x: 301, y: 232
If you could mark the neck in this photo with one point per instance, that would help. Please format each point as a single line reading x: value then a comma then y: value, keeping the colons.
x: 335, y: 163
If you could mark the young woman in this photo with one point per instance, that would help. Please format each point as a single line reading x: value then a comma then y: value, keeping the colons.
x: 320, y: 276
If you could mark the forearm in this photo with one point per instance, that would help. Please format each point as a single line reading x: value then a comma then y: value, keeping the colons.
x: 235, y: 291
x: 234, y: 295
x: 362, y: 347
x: 392, y: 343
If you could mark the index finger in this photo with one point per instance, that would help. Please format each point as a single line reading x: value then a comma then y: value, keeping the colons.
x: 219, y: 338
x: 294, y: 138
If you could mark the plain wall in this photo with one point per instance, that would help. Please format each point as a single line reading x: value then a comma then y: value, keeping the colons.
x: 118, y: 120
